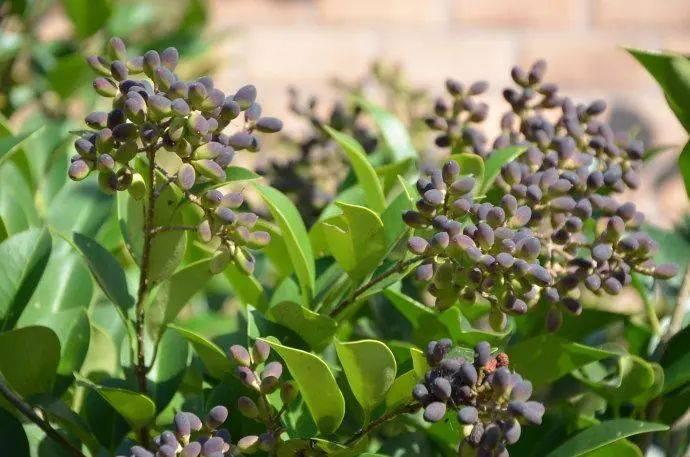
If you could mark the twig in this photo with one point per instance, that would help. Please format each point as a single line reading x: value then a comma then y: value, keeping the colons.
x: 408, y: 408
x: 356, y: 294
x: 30, y: 414
x: 172, y: 228
x: 144, y: 286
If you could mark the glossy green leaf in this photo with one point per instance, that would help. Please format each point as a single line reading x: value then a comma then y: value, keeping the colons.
x: 546, y: 358
x: 684, y: 167
x: 24, y: 258
x: 295, y: 235
x: 370, y: 369
x: 174, y: 293
x: 70, y: 73
x: 393, y: 224
x: 106, y: 270
x: 410, y: 308
x: 316, y: 384
x: 276, y: 250
x: 102, y: 356
x: 213, y: 357
x: 167, y: 248
x: 471, y: 164
x: 11, y: 143
x: 12, y: 436
x: 167, y: 371
x: 401, y: 390
x: 356, y: 239
x: 366, y: 175
x: 66, y: 284
x: 635, y: 381
x: 314, y: 328
x: 79, y: 207
x: 246, y: 287
x: 389, y: 172
x: 494, y: 163
x: 677, y: 373
x: 17, y: 204
x: 392, y: 129
x: 137, y: 409
x: 672, y: 73
x: 87, y: 16
x: 602, y: 434
x: 30, y: 359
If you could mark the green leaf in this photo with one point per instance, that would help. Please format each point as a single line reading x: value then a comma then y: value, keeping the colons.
x: 213, y: 357
x: 366, y: 175
x: 167, y: 248
x: 393, y: 224
x: 137, y: 409
x: 17, y: 204
x: 24, y: 258
x: 401, y: 390
x: 69, y: 73
x: 411, y: 309
x: 370, y: 369
x: 546, y: 358
x: 602, y: 434
x: 30, y: 359
x: 11, y: 143
x: 79, y: 207
x: 356, y: 239
x: 295, y: 235
x: 635, y: 381
x: 684, y: 167
x: 677, y: 373
x: 87, y: 16
x: 392, y: 129
x: 471, y: 164
x: 246, y: 287
x: 12, y: 436
x: 494, y: 163
x: 672, y: 73
x: 389, y: 172
x: 167, y: 371
x: 174, y: 293
x: 316, y: 384
x: 106, y: 270
x: 234, y: 173
x: 314, y: 328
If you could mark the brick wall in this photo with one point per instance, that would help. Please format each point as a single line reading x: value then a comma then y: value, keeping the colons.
x: 307, y: 42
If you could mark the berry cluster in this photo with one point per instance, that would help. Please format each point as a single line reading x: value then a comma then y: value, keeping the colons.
x: 311, y: 177
x: 472, y: 249
x: 567, y: 175
x: 457, y: 118
x: 156, y: 112
x: 571, y: 165
x: 263, y: 382
x: 490, y: 400
x: 192, y: 437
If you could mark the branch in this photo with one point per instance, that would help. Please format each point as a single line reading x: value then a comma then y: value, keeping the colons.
x: 407, y: 408
x: 30, y: 414
x: 172, y: 228
x: 401, y: 266
x: 144, y: 285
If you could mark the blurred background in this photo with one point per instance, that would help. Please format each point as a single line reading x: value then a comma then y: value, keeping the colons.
x: 308, y: 43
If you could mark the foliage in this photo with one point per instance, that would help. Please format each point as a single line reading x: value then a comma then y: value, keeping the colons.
x: 422, y: 306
